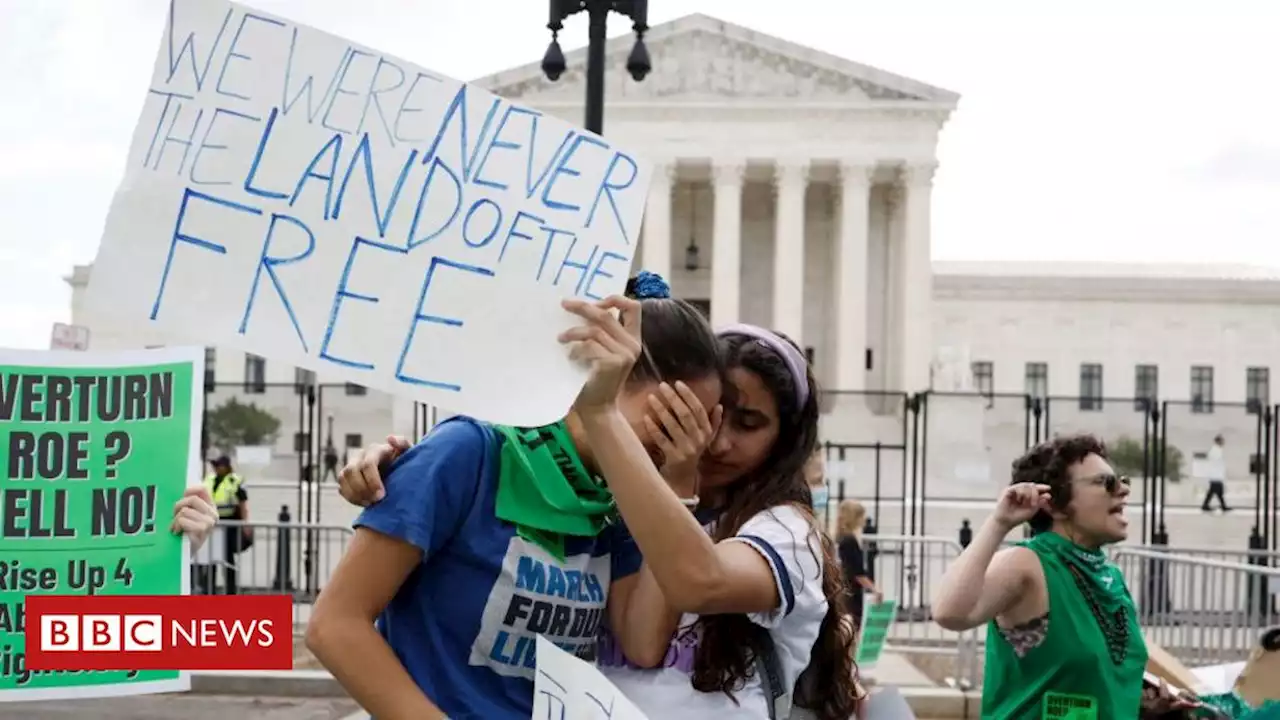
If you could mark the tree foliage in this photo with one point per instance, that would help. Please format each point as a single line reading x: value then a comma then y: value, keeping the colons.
x: 1127, y: 458
x: 234, y: 424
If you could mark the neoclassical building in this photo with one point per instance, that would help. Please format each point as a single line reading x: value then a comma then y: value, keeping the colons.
x: 794, y: 187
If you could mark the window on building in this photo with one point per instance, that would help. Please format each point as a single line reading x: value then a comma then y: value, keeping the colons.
x: 1146, y: 387
x: 354, y: 440
x: 1091, y: 386
x: 1201, y: 389
x: 1037, y: 379
x: 301, y: 441
x: 210, y: 369
x: 303, y: 379
x: 1257, y: 388
x: 354, y: 389
x: 984, y: 373
x: 255, y: 374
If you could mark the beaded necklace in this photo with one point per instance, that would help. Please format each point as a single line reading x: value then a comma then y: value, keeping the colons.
x: 1114, y: 625
x: 1102, y: 588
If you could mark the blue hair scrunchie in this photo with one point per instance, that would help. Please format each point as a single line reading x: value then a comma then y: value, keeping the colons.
x: 648, y: 285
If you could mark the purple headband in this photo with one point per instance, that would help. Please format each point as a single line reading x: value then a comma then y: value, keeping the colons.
x: 790, y: 355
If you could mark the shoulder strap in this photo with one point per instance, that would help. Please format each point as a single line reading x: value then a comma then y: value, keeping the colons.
x: 769, y: 668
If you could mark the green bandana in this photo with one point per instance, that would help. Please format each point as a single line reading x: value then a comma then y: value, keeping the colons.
x: 1103, y: 578
x: 544, y: 490
x: 1102, y: 585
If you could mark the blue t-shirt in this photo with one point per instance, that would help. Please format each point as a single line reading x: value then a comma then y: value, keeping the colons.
x: 465, y: 622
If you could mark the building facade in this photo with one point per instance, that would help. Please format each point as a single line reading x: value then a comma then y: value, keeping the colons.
x: 793, y: 191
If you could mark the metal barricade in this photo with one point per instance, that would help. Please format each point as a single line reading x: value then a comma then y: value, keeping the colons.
x: 907, y: 568
x: 1203, y: 611
x: 295, y: 559
x: 1240, y: 557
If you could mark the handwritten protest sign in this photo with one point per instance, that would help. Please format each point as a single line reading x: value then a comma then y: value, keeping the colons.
x: 97, y: 448
x: 567, y: 688
x: 877, y: 618
x: 318, y: 202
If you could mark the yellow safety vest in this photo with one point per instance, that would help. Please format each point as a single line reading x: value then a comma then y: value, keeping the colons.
x: 224, y: 495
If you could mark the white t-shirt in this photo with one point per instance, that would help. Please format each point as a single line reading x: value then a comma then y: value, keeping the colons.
x: 784, y: 538
x: 1217, y: 464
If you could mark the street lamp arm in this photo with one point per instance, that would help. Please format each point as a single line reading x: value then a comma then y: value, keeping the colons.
x: 638, y: 62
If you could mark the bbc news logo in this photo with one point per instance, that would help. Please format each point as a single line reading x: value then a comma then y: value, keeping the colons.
x: 159, y: 632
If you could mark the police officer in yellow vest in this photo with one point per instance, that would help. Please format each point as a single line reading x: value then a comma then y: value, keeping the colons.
x: 229, y: 496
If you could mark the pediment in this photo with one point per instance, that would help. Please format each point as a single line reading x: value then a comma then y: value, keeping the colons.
x: 698, y: 58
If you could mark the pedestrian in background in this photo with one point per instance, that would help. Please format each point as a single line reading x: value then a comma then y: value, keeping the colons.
x: 850, y: 521
x: 1216, y: 462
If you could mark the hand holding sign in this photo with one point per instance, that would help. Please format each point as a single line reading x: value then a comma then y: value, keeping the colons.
x: 317, y: 202
x: 567, y: 688
x: 605, y: 343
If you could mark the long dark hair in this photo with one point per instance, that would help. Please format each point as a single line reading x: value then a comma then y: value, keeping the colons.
x: 729, y: 645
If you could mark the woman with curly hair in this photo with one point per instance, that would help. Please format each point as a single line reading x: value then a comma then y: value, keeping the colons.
x: 1063, y: 638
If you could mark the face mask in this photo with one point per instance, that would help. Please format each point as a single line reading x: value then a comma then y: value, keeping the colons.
x: 821, y: 495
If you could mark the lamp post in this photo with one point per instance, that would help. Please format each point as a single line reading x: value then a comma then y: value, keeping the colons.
x: 638, y: 65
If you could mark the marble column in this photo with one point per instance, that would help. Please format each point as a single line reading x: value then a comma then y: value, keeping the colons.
x: 851, y: 276
x: 790, y: 182
x: 656, y: 249
x: 917, y: 276
x: 726, y: 251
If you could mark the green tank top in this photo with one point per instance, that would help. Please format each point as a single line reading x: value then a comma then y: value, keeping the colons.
x: 1084, y: 668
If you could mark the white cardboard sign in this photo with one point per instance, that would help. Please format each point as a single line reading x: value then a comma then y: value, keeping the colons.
x: 299, y: 196
x: 567, y: 688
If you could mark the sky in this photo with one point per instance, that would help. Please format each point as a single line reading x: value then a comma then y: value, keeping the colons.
x: 1088, y: 130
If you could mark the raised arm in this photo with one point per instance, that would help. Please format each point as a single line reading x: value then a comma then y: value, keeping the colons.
x: 985, y: 581
x: 694, y: 574
x: 642, y: 620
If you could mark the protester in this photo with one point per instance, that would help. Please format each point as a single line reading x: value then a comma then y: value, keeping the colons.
x: 1090, y: 653
x: 490, y: 535
x: 751, y: 491
x: 851, y: 519
x: 1216, y: 461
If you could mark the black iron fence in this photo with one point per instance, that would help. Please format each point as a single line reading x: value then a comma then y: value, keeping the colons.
x: 932, y: 463
x: 924, y: 463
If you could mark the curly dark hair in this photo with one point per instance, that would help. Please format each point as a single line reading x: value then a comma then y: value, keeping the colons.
x: 1049, y: 463
x: 730, y: 643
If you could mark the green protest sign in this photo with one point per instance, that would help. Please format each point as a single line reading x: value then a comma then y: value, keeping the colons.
x: 97, y: 448
x: 877, y: 618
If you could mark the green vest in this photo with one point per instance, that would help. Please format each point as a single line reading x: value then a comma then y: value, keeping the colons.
x: 224, y: 495
x: 1070, y: 675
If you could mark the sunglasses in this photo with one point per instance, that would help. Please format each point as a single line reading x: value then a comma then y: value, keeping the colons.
x: 1111, y: 482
